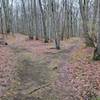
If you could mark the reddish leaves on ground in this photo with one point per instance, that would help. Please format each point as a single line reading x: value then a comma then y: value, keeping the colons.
x: 6, y: 68
x: 79, y: 78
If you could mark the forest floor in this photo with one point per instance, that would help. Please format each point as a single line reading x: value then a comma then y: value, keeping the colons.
x: 33, y: 70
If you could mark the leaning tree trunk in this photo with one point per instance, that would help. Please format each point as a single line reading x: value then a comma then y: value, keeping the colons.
x: 97, y: 50
x: 93, y: 35
x: 55, y: 17
x: 44, y: 24
x: 84, y: 13
x: 5, y: 4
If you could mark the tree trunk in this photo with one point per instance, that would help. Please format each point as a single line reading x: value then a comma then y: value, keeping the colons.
x: 5, y: 4
x: 57, y: 41
x: 44, y: 24
x: 36, y: 26
x: 95, y: 10
x: 84, y: 13
x: 1, y: 22
x: 97, y: 50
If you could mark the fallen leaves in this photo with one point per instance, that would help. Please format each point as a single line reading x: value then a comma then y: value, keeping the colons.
x: 6, y: 68
x: 79, y: 75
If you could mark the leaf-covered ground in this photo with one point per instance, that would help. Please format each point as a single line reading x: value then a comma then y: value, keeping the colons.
x: 33, y: 70
x: 7, y: 61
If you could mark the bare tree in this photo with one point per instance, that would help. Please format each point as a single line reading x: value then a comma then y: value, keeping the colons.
x: 5, y: 4
x: 97, y: 50
x: 36, y: 21
x: 1, y: 19
x: 95, y: 10
x: 44, y: 23
x: 84, y: 13
x: 56, y: 27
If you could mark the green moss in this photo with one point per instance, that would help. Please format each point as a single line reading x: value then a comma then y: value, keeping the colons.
x: 98, y: 98
x: 96, y: 58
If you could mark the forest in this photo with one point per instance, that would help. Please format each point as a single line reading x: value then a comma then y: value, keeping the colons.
x: 49, y: 50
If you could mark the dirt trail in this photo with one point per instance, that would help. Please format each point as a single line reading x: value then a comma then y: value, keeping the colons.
x: 37, y: 68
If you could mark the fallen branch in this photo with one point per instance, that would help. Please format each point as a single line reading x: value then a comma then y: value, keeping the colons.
x: 40, y: 87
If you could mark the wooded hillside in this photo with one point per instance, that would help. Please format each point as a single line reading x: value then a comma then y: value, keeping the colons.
x: 49, y: 50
